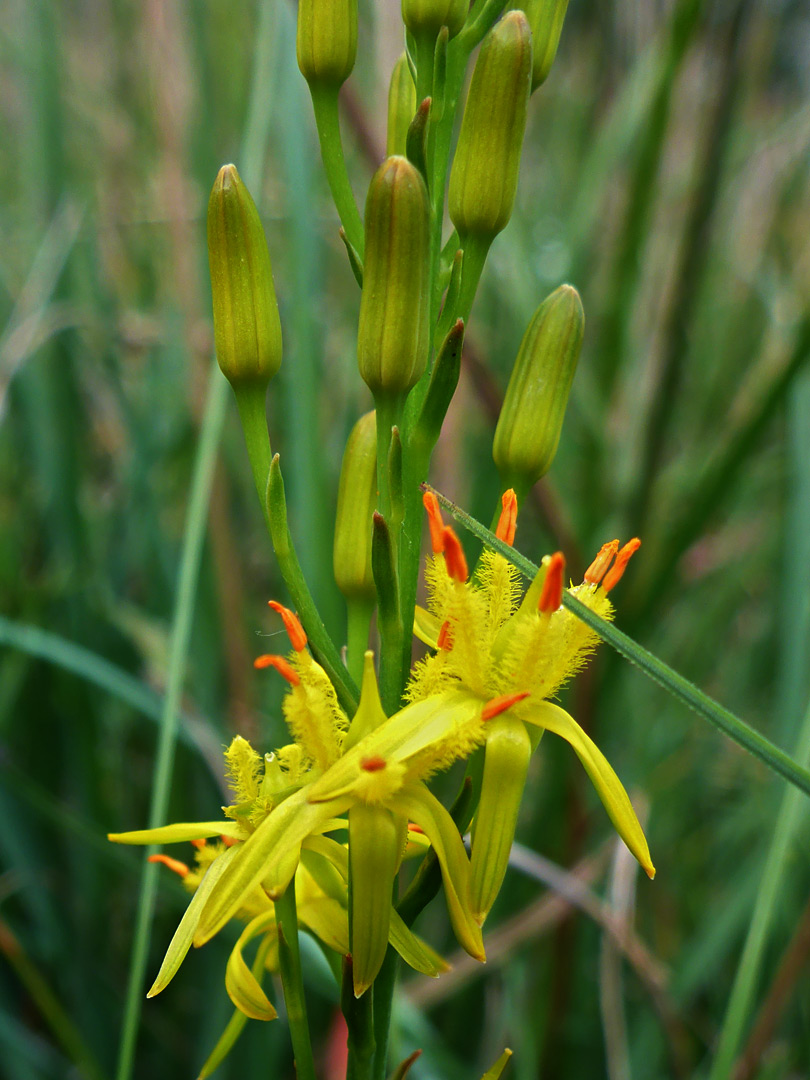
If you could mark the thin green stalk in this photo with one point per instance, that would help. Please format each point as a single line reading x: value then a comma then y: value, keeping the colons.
x: 251, y: 402
x: 320, y: 642
x: 182, y: 620
x: 732, y: 726
x: 359, y: 614
x: 358, y: 1013
x: 383, y: 990
x: 475, y: 255
x: 327, y: 121
x: 292, y: 979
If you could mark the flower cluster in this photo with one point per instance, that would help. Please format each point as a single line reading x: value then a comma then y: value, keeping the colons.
x: 495, y: 659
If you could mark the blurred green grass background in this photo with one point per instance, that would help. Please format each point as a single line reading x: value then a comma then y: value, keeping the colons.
x: 665, y: 174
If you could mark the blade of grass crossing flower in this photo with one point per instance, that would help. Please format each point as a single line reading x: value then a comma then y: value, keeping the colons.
x: 194, y: 533
x: 794, y: 681
x: 730, y: 725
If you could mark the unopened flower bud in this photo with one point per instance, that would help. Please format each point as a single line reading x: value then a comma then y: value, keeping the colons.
x: 247, y: 329
x: 392, y: 337
x: 429, y: 16
x: 401, y: 106
x: 546, y: 20
x: 531, y: 419
x: 484, y: 176
x: 357, y: 500
x: 326, y: 42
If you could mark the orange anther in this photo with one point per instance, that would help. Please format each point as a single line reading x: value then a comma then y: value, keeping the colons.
x: 373, y: 764
x: 431, y: 504
x: 614, y: 575
x: 282, y: 666
x: 445, y: 639
x: 415, y: 828
x: 501, y: 704
x: 173, y: 864
x: 551, y: 596
x: 598, y: 568
x: 454, y: 556
x: 507, y: 522
x: 198, y: 843
x: 228, y: 841
x: 295, y: 630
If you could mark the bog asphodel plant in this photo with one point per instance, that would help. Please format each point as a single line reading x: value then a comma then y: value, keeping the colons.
x: 316, y: 832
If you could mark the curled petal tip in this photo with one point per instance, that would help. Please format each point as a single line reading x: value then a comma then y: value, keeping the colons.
x: 507, y: 523
x: 551, y: 596
x: 431, y: 505
x: 282, y: 666
x: 454, y: 556
x: 614, y: 575
x: 292, y: 625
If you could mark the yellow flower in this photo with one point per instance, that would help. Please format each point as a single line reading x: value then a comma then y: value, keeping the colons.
x: 492, y: 644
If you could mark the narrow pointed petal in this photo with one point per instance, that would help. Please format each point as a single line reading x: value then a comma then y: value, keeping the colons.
x: 370, y: 714
x: 268, y: 857
x: 608, y: 786
x: 425, y: 809
x: 184, y: 934
x: 242, y: 986
x: 177, y: 834
x: 328, y: 920
x: 506, y: 761
x: 373, y: 853
x: 495, y: 1071
x: 415, y: 952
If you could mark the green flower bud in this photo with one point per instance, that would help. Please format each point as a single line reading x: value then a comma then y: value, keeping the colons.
x: 326, y: 43
x: 546, y: 20
x: 401, y: 106
x: 392, y: 337
x: 247, y: 329
x: 484, y: 176
x: 357, y: 501
x: 429, y: 16
x: 531, y: 419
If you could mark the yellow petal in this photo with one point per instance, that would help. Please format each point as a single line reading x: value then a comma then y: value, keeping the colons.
x: 506, y: 761
x: 608, y: 786
x: 373, y: 854
x: 241, y: 984
x: 176, y: 834
x: 415, y: 952
x: 427, y: 812
x: 370, y: 713
x: 269, y: 856
x: 184, y: 934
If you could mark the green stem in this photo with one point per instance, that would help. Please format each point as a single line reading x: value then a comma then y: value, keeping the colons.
x: 475, y: 255
x: 319, y: 640
x: 327, y: 121
x: 383, y: 990
x: 389, y: 414
x: 655, y: 669
x: 358, y: 1013
x: 292, y: 980
x: 251, y: 403
x: 359, y: 614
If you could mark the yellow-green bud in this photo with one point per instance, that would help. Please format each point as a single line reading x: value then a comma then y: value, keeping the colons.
x: 429, y: 16
x: 392, y: 337
x: 484, y: 176
x: 401, y: 106
x: 546, y: 19
x: 247, y: 329
x: 357, y: 501
x: 326, y: 42
x: 531, y: 419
